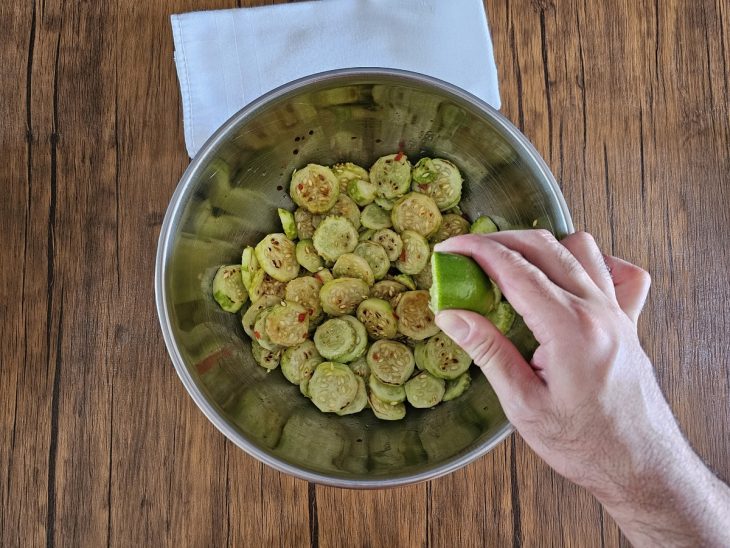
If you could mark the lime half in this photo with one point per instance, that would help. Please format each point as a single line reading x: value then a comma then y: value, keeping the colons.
x: 459, y: 282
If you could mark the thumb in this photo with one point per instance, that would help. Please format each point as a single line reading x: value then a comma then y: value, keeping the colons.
x: 500, y: 361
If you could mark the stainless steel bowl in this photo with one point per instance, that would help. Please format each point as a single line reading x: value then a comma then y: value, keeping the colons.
x: 228, y: 197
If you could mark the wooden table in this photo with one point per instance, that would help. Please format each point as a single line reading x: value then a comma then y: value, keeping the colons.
x: 100, y: 444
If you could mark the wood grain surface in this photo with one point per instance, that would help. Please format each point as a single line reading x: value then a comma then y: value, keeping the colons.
x: 99, y: 442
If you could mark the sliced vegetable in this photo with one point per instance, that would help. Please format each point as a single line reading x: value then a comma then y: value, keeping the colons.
x: 451, y: 225
x: 294, y: 357
x: 390, y: 361
x: 305, y: 223
x: 323, y: 276
x: 342, y: 295
x: 392, y: 175
x: 268, y: 359
x: 387, y: 289
x: 375, y: 217
x: 314, y: 188
x: 424, y: 390
x: 228, y: 289
x: 351, y: 265
x: 415, y: 253
x: 386, y: 411
x: 459, y: 282
x: 361, y: 340
x: 390, y: 241
x: 389, y: 393
x: 335, y: 337
x: 307, y: 255
x: 378, y: 318
x: 345, y: 207
x: 440, y: 179
x: 502, y: 316
x: 288, y: 223
x: 376, y: 257
x: 360, y: 401
x: 415, y: 318
x: 457, y: 386
x: 365, y: 234
x: 346, y: 172
x: 443, y: 358
x: 305, y: 291
x: 287, y: 324
x: 332, y: 387
x: 360, y: 367
x: 276, y: 254
x: 424, y: 279
x: 419, y: 354
x: 249, y: 317
x: 260, y: 333
x: 361, y: 192
x: 249, y: 266
x: 416, y: 212
x: 333, y: 237
x: 384, y: 203
x: 405, y: 280
x: 483, y: 225
x: 263, y: 284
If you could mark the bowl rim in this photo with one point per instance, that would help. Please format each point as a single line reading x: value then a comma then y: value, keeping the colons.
x: 517, y: 139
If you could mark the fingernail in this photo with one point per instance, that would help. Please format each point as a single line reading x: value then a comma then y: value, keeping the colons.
x: 453, y: 325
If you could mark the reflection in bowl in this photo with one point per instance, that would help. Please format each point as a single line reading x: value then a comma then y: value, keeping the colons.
x: 228, y: 197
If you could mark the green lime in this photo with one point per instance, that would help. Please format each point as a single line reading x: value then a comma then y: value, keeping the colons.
x: 459, y: 282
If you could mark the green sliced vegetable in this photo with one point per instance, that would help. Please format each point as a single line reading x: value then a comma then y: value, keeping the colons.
x: 360, y: 367
x: 419, y: 354
x: 268, y: 359
x: 376, y: 257
x: 483, y: 225
x: 287, y: 324
x: 362, y: 192
x: 249, y: 317
x: 334, y: 338
x: 263, y: 284
x: 307, y: 256
x: 249, y: 266
x: 342, y: 295
x: 424, y: 279
x: 333, y: 387
x: 294, y: 357
x: 305, y: 223
x: 333, y: 237
x: 260, y: 333
x: 388, y: 393
x: 384, y: 203
x: 424, y: 390
x: 347, y: 172
x: 351, y: 265
x: 415, y: 318
x: 323, y: 276
x: 305, y: 291
x: 228, y: 289
x: 345, y: 207
x: 415, y: 253
x: 314, y: 188
x: 439, y: 179
x: 405, y: 280
x: 386, y: 411
x: 375, y: 217
x: 378, y: 318
x: 288, y: 223
x: 451, y: 225
x: 457, y: 386
x: 365, y: 234
x: 392, y: 175
x: 443, y: 358
x: 387, y: 290
x: 361, y: 340
x: 392, y: 362
x: 360, y: 401
x: 416, y: 212
x: 459, y: 282
x: 390, y: 241
x: 276, y: 254
x: 502, y: 316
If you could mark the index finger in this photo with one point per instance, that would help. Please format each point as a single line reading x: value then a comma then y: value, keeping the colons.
x: 532, y: 294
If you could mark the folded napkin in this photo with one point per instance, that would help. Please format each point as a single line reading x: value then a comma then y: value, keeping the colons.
x: 227, y: 58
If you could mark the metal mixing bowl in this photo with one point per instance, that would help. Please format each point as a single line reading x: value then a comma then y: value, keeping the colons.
x: 228, y: 197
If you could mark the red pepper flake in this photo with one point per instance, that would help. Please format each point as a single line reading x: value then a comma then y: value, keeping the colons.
x: 403, y: 255
x: 257, y: 334
x: 376, y: 356
x: 300, y: 186
x: 301, y: 317
x: 399, y: 157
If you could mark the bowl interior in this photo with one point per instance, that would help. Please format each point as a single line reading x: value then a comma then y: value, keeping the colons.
x: 228, y: 198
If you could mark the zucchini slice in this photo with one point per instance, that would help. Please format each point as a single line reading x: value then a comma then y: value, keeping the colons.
x: 424, y: 390
x: 391, y: 174
x: 390, y: 361
x: 451, y: 225
x: 260, y: 334
x: 483, y: 225
x: 249, y: 317
x: 333, y: 237
x: 386, y: 411
x: 376, y: 257
x: 424, y: 279
x: 268, y: 359
x: 387, y: 290
x: 323, y: 276
x: 416, y: 212
x: 359, y: 403
x: 263, y: 284
x: 378, y: 318
x: 288, y: 224
x: 362, y: 192
x: 444, y: 359
x: 345, y: 207
x: 342, y: 295
x: 375, y: 217
x: 276, y: 254
x: 347, y: 171
x: 419, y: 354
x: 249, y: 266
x: 457, y: 386
x: 502, y: 316
x: 365, y: 235
x: 228, y: 289
x: 314, y: 188
x: 360, y: 367
x: 361, y: 340
x: 332, y: 387
x: 440, y: 179
x: 415, y: 253
x: 287, y: 324
x: 405, y: 280
x: 307, y: 256
x: 305, y: 291
x: 294, y: 357
x: 351, y: 265
x: 305, y: 373
x: 335, y: 337
x: 385, y: 203
x: 389, y: 393
x: 305, y: 223
x: 415, y: 318
x: 391, y: 242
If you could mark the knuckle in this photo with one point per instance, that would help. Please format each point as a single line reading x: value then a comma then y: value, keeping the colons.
x: 482, y: 349
x: 544, y: 234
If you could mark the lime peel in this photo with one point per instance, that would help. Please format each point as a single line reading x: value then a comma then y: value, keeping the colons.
x: 460, y: 283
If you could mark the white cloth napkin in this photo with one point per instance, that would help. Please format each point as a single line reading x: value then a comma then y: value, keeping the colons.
x: 227, y: 58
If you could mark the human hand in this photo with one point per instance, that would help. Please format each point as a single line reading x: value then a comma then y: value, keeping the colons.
x: 588, y: 402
